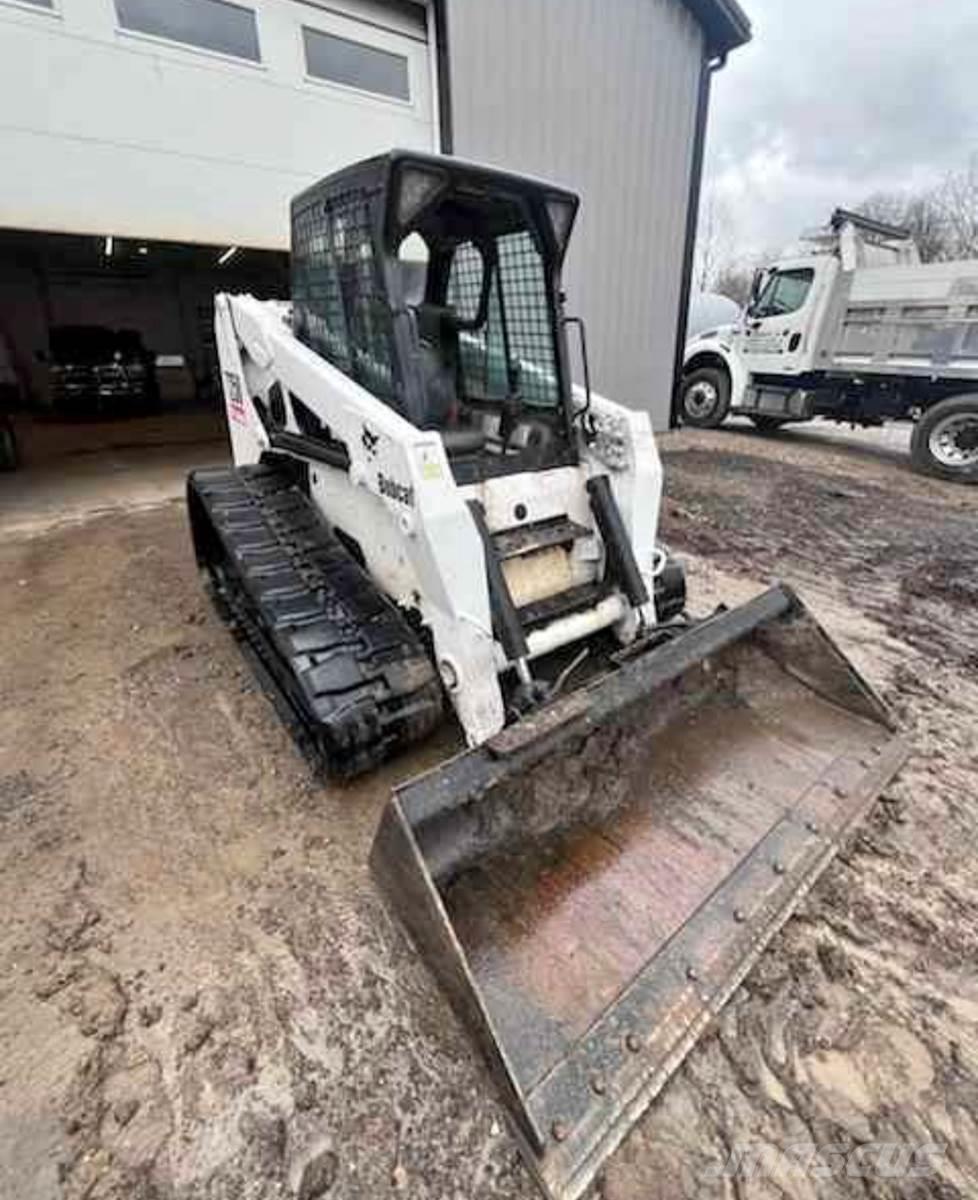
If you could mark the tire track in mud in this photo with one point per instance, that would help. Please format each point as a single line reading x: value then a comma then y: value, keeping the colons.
x: 115, y: 1115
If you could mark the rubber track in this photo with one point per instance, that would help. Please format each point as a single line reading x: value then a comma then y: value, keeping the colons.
x: 345, y: 670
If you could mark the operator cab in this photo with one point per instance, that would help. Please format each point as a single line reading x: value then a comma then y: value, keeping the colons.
x: 436, y: 285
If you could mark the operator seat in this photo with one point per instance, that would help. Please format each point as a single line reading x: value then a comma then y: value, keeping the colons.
x: 439, y: 357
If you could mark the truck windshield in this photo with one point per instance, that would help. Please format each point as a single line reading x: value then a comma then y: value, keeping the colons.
x: 784, y: 293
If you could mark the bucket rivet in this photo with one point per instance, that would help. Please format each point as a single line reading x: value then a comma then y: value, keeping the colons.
x: 813, y: 827
x: 692, y: 973
x: 779, y: 868
x: 559, y: 1130
x: 598, y: 1086
x: 740, y: 916
x: 634, y: 1043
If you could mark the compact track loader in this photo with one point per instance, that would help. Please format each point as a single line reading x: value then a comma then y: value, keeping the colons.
x: 424, y: 509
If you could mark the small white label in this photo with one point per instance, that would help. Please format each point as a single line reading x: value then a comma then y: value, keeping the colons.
x: 235, y: 399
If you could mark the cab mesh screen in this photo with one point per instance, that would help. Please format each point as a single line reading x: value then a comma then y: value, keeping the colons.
x: 517, y: 328
x: 339, y: 307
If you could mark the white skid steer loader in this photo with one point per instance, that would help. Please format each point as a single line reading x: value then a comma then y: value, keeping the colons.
x: 422, y: 506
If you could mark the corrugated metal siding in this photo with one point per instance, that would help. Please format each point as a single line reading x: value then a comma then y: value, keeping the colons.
x: 600, y: 95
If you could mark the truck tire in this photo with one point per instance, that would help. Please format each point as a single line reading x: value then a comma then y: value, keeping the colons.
x: 765, y: 424
x: 945, y: 440
x: 705, y: 398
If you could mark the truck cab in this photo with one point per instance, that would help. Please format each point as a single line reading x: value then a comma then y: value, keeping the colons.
x: 778, y: 333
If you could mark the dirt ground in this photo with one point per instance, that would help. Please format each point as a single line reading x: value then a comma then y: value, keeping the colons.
x: 74, y: 470
x: 202, y: 995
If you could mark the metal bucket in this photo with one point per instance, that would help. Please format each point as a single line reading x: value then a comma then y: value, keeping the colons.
x: 591, y: 886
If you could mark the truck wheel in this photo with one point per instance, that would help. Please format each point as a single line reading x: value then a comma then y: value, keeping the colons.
x: 705, y: 398
x: 767, y: 424
x: 945, y: 440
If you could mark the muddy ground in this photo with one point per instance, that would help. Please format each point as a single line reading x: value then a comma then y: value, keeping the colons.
x: 201, y: 994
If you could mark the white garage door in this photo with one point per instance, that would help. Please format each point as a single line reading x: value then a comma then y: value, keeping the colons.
x: 196, y: 120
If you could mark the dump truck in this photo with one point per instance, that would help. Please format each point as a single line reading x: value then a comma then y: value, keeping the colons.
x: 855, y: 329
x: 426, y: 515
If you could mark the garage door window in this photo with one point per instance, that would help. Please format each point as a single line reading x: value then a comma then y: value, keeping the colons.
x: 338, y: 60
x: 210, y: 24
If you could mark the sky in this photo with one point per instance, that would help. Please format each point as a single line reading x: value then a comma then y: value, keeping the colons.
x: 835, y: 100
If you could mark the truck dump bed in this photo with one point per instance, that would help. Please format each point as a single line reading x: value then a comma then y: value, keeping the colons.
x: 905, y: 320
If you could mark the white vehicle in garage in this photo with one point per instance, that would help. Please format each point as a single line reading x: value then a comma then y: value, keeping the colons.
x: 857, y: 330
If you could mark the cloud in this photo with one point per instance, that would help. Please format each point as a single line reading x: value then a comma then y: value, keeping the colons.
x: 834, y: 101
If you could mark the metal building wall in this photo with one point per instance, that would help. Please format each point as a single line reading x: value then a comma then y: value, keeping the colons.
x: 600, y: 95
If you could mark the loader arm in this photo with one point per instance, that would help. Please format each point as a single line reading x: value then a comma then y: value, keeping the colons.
x: 395, y: 497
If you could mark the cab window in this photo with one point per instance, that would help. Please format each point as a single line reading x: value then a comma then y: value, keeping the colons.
x: 784, y: 293
x: 509, y: 348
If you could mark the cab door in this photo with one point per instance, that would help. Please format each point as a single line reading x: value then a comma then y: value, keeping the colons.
x: 774, y: 337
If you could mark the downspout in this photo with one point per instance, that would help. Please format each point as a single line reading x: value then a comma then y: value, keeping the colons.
x: 710, y: 67
x: 446, y: 131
